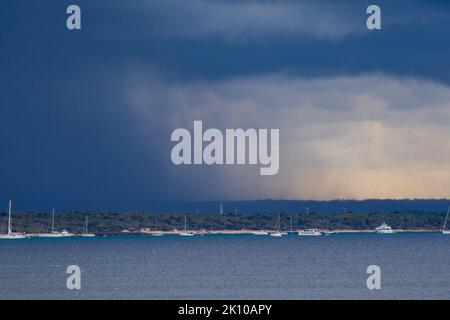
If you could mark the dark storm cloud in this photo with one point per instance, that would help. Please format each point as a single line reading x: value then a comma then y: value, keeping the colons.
x: 68, y: 138
x: 196, y: 39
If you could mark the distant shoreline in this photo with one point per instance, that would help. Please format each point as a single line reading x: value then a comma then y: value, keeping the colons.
x: 251, y: 232
x: 105, y: 223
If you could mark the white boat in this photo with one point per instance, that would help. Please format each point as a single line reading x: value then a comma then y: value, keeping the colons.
x: 327, y: 231
x: 291, y: 231
x: 276, y: 234
x: 56, y: 234
x: 260, y: 233
x: 85, y: 232
x: 445, y: 223
x: 384, y: 228
x: 186, y: 233
x: 11, y: 235
x: 310, y: 232
x: 53, y: 233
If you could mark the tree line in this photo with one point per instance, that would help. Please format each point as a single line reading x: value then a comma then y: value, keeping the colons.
x: 32, y: 222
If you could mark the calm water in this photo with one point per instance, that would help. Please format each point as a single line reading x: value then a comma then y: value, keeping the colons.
x: 413, y: 266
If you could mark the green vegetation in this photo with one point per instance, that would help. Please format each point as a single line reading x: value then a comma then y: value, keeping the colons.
x: 134, y: 221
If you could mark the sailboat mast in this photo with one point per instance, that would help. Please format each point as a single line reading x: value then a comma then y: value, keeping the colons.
x: 185, y: 225
x: 86, y: 229
x: 9, y: 218
x: 53, y: 219
x: 446, y: 218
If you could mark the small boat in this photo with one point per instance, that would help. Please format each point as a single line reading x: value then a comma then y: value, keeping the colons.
x: 53, y: 233
x: 310, y: 232
x: 65, y: 233
x: 11, y: 235
x: 276, y: 234
x: 384, y: 229
x: 327, y: 231
x: 85, y: 232
x: 291, y: 231
x: 260, y: 233
x: 186, y: 233
x: 445, y: 223
x: 56, y: 234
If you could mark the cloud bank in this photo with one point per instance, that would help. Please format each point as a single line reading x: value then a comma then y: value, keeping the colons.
x: 347, y: 137
x: 87, y: 116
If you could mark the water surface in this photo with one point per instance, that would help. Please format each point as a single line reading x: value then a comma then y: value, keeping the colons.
x: 413, y: 266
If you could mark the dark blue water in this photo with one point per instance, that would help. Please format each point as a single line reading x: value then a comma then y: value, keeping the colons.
x: 415, y: 266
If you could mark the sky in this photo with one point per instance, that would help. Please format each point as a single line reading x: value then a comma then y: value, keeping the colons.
x: 86, y: 115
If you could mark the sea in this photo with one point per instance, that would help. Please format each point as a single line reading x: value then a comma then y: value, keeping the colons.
x: 411, y: 266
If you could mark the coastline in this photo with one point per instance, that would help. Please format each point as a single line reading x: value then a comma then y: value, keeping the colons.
x: 251, y: 232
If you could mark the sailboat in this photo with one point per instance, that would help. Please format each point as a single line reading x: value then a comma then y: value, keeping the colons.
x: 186, y: 233
x: 445, y: 223
x: 277, y: 234
x: 85, y: 232
x: 11, y: 235
x: 327, y: 231
x: 290, y: 228
x: 55, y: 234
x: 157, y: 234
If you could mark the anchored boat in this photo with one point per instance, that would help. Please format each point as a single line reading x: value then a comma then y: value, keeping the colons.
x: 310, y: 232
x: 186, y: 233
x: 277, y: 234
x: 11, y: 235
x: 55, y: 234
x: 85, y: 232
x: 384, y: 228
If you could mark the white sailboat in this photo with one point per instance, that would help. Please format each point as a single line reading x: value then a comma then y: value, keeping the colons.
x: 55, y: 234
x: 85, y: 232
x: 445, y: 223
x: 186, y: 233
x: 11, y: 235
x: 291, y: 231
x: 327, y: 231
x: 277, y: 234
